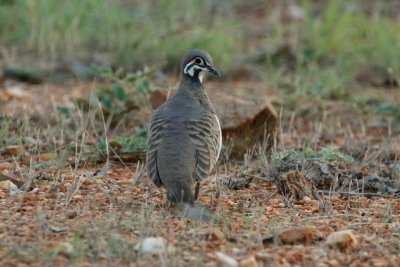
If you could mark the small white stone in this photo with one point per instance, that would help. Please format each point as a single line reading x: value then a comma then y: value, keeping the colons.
x: 152, y: 245
x: 227, y: 260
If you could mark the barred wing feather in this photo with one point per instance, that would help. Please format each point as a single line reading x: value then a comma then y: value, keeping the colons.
x: 205, y: 135
x: 155, y: 136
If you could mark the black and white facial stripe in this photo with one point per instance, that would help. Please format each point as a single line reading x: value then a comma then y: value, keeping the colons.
x: 195, y: 68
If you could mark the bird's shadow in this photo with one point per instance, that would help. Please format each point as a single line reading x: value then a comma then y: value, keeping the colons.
x: 195, y: 211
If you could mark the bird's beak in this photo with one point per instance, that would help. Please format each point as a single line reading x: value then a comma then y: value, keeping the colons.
x: 214, y: 71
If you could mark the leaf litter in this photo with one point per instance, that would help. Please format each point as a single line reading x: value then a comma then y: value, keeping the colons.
x: 98, y: 213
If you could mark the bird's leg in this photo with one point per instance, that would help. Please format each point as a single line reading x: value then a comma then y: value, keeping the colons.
x: 197, y: 191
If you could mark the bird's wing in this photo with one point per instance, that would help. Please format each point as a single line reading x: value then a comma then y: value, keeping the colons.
x: 155, y: 136
x: 205, y: 134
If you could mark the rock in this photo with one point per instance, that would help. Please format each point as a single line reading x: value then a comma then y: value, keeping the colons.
x: 226, y: 260
x: 248, y: 262
x: 245, y: 122
x: 152, y: 245
x: 296, y: 235
x: 342, y: 240
x: 8, y: 185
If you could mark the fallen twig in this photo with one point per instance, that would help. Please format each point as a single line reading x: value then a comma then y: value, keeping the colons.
x: 269, y: 180
x: 367, y: 194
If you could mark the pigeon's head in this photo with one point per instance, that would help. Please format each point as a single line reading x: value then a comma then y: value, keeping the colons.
x: 196, y: 63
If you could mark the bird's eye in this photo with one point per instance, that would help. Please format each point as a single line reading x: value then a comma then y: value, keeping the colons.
x: 198, y: 60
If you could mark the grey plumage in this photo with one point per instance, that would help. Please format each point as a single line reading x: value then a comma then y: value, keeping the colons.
x: 184, y: 138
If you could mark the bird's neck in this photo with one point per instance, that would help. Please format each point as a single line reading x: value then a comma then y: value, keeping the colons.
x: 194, y: 80
x: 189, y: 83
x: 194, y: 91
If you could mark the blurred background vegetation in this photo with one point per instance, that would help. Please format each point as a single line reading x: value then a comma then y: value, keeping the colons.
x: 124, y: 33
x: 305, y: 50
x: 338, y: 36
x: 310, y: 46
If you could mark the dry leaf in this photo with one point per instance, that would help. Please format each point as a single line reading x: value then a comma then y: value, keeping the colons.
x: 48, y: 156
x: 157, y: 98
x: 295, y: 235
x: 14, y: 150
x: 333, y: 263
x: 216, y: 234
x: 380, y: 262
